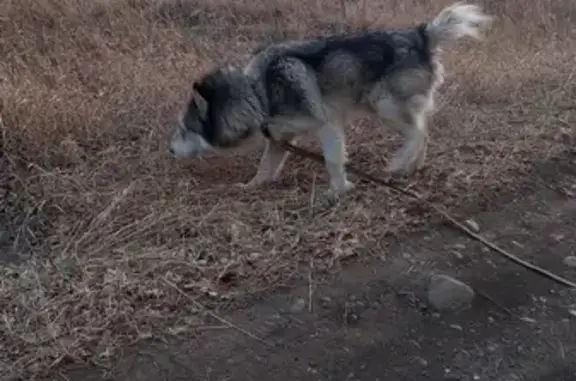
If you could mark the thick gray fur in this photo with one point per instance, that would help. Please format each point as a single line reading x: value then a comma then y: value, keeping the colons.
x: 318, y: 86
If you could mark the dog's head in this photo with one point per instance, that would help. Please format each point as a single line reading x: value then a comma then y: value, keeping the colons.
x: 223, y: 111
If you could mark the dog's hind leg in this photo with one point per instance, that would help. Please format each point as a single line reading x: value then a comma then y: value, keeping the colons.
x: 408, y: 118
x: 333, y: 143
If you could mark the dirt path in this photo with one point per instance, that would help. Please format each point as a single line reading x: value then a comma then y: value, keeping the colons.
x: 373, y: 322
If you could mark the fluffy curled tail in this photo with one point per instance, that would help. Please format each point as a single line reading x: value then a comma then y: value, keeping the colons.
x: 456, y: 21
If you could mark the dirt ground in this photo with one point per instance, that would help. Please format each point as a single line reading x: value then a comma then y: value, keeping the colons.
x: 372, y: 321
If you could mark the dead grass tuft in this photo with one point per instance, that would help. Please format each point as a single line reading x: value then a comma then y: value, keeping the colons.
x: 96, y: 218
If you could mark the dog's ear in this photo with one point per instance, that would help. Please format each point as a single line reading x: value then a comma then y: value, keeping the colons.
x: 199, y: 102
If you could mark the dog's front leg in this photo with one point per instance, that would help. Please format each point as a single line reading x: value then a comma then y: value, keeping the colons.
x: 271, y: 164
x: 333, y: 143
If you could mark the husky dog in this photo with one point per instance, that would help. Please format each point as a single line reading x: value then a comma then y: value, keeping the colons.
x: 294, y: 88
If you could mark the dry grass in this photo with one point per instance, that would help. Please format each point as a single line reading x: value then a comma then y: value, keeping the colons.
x: 95, y: 216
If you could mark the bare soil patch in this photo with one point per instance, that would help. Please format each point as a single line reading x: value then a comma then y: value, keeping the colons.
x: 96, y: 221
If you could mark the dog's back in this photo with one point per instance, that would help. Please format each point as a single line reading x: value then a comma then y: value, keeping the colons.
x: 346, y: 65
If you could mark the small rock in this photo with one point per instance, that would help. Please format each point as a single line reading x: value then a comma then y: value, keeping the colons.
x: 457, y: 254
x: 570, y: 261
x: 445, y: 292
x: 253, y: 257
x: 473, y: 225
x: 422, y: 361
x: 298, y: 305
x: 557, y: 237
x: 572, y: 313
x: 456, y: 327
x: 518, y: 244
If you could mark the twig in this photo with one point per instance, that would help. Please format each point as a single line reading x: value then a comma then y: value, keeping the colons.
x: 494, y: 302
x: 312, y: 195
x: 504, y: 308
x: 216, y: 316
x: 310, y: 285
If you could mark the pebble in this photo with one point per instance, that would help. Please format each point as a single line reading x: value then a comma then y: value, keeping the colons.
x: 458, y: 254
x: 254, y: 257
x: 518, y: 244
x: 570, y: 261
x: 447, y: 293
x: 422, y: 361
x: 298, y: 305
x: 473, y: 225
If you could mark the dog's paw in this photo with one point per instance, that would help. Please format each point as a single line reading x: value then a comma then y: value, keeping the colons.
x: 398, y: 169
x: 245, y: 186
x: 253, y: 184
x: 403, y: 165
x: 335, y: 192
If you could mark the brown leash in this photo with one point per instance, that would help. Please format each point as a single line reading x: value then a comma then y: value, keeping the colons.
x: 367, y: 176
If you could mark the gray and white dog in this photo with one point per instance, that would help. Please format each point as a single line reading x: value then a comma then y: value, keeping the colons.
x: 293, y: 88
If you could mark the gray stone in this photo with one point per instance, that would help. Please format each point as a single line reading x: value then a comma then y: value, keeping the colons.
x: 298, y: 305
x: 422, y: 361
x: 473, y: 225
x: 447, y: 293
x: 558, y: 237
x: 570, y: 261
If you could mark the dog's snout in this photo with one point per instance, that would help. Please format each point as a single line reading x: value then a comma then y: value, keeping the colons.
x: 171, y: 151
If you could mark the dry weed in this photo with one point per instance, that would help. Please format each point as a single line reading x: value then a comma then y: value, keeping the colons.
x: 95, y: 216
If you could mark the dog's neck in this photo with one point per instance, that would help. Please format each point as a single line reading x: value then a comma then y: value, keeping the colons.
x: 260, y: 94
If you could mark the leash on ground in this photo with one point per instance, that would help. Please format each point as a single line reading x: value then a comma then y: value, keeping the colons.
x: 389, y: 184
